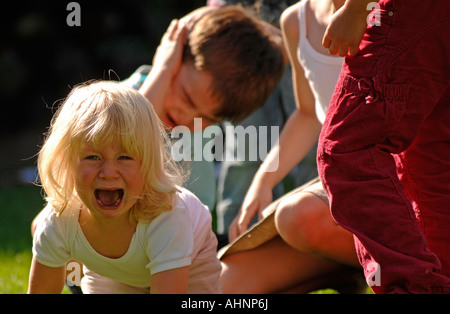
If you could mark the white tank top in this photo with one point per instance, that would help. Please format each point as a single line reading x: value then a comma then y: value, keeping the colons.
x: 322, y: 71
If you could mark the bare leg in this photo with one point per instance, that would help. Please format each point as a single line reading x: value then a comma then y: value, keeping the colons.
x: 304, y: 222
x: 274, y: 267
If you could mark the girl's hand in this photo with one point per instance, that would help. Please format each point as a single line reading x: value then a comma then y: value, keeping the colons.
x: 346, y: 30
x: 258, y: 197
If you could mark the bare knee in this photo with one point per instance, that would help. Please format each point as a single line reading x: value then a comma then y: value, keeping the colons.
x: 299, y: 219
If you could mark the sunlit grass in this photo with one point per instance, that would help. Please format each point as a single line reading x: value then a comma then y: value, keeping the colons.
x: 14, y: 270
x: 18, y: 206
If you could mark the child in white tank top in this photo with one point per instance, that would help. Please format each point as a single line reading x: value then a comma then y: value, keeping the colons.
x: 315, y: 74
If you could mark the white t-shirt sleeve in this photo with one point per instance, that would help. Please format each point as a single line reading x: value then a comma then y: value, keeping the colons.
x: 50, y: 240
x: 170, y: 240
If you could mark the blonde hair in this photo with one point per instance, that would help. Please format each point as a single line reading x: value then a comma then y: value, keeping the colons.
x: 102, y: 113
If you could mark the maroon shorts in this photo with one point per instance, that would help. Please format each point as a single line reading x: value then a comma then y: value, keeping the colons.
x: 384, y: 150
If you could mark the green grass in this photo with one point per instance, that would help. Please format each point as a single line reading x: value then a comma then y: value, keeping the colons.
x: 325, y: 291
x: 14, y: 272
x: 18, y: 206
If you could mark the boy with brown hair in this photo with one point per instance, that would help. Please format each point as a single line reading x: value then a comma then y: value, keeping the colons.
x: 222, y: 64
x: 229, y: 66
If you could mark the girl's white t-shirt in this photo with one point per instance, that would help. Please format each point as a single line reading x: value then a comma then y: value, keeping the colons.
x: 176, y: 238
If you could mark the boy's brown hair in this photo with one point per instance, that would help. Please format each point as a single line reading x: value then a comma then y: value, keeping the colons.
x: 241, y: 55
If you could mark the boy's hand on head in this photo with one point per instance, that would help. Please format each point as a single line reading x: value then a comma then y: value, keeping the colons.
x: 191, y: 18
x: 169, y: 54
x: 166, y: 65
x: 345, y: 31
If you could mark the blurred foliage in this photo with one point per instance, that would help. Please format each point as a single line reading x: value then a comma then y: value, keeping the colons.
x: 41, y: 57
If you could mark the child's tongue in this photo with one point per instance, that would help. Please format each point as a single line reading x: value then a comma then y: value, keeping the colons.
x: 109, y: 197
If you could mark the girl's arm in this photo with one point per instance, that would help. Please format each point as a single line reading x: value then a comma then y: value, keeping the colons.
x: 170, y: 281
x: 44, y: 279
x: 298, y: 137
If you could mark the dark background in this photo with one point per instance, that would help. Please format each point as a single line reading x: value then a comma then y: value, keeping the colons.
x: 41, y: 58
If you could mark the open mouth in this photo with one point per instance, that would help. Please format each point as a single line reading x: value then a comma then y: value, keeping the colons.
x: 109, y: 199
